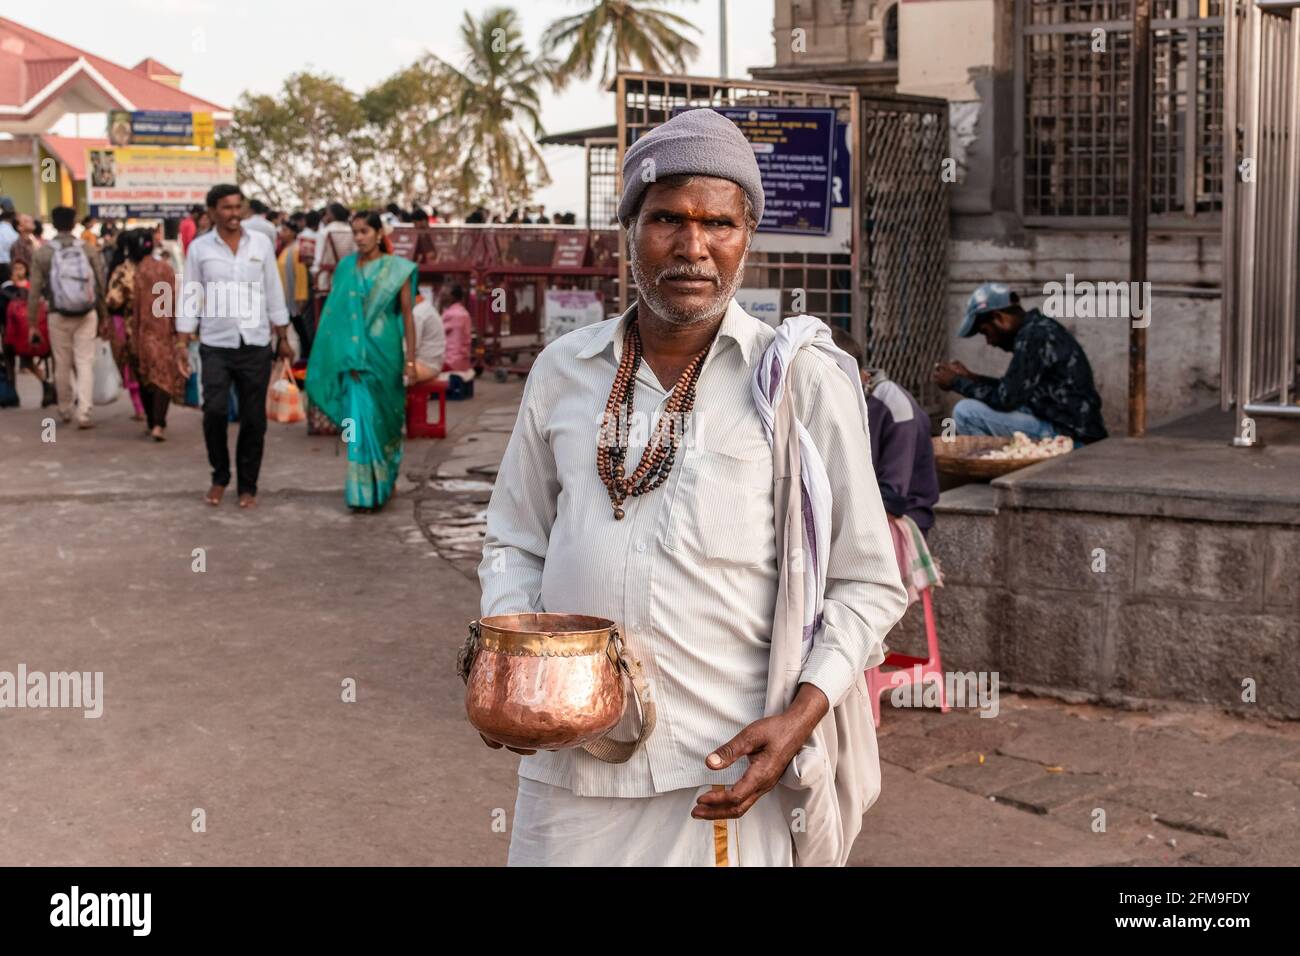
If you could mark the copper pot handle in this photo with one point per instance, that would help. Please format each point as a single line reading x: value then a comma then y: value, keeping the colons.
x: 607, y: 749
x: 468, y: 651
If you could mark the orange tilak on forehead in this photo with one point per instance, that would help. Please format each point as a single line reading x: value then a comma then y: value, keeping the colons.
x: 701, y: 199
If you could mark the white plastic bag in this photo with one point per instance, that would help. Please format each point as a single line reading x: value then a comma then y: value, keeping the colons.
x: 108, y: 379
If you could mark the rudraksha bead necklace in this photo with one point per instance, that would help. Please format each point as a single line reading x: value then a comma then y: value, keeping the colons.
x: 661, y: 450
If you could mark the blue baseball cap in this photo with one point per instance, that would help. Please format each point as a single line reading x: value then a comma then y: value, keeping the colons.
x: 988, y: 298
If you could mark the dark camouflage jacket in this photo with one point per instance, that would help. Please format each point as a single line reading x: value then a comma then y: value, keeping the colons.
x: 1049, y: 374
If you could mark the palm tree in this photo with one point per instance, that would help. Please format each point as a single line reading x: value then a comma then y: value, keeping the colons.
x: 618, y: 32
x: 497, y: 109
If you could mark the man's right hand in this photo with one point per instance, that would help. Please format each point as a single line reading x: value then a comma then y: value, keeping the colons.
x: 496, y: 746
x: 183, y: 359
x: 945, y: 372
x: 943, y: 375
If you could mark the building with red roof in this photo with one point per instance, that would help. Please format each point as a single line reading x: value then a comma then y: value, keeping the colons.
x: 41, y: 81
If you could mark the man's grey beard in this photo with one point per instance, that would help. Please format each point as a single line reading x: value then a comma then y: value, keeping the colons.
x: 647, y: 287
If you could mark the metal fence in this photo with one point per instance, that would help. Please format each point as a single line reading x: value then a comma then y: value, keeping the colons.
x: 647, y: 100
x: 888, y: 288
x: 602, y: 182
x: 904, y: 260
x: 1262, y: 214
x: 1072, y: 79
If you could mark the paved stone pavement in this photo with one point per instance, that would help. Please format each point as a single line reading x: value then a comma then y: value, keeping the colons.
x: 223, y: 689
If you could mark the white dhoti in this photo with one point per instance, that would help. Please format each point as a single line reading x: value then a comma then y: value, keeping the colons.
x: 555, y: 827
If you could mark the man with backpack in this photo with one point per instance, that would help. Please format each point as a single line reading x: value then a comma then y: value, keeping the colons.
x: 69, y: 275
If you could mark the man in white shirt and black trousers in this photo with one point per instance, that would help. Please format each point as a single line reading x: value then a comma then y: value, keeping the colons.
x: 233, y: 299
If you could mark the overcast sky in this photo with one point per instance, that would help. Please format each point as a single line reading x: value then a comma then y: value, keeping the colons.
x: 223, y: 48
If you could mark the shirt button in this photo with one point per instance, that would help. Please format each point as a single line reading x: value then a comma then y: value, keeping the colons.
x: 640, y: 545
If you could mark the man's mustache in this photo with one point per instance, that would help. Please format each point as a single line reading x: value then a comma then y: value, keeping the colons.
x: 688, y: 272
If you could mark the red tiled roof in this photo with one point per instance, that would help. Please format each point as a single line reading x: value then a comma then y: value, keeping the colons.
x: 71, y: 152
x: 41, y: 73
x: 149, y: 66
x: 30, y: 61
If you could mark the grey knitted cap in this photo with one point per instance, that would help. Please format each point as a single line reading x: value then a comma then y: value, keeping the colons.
x: 699, y: 142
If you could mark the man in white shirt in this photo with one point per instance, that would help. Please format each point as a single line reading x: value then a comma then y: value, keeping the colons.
x: 687, y: 567
x: 333, y: 243
x: 307, y: 238
x: 430, y: 336
x: 232, y: 298
x: 258, y: 222
x: 8, y: 236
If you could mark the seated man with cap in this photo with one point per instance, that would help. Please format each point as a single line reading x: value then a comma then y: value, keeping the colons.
x: 1047, y: 389
x: 673, y: 535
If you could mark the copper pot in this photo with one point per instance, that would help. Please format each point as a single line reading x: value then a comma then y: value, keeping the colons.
x: 542, y: 681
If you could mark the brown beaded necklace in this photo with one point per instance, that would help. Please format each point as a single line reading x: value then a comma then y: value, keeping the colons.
x: 657, y: 459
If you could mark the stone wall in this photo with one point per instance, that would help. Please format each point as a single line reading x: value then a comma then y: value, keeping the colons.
x: 1184, y: 611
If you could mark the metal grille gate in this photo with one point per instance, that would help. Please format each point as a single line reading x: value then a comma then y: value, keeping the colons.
x: 905, y: 237
x: 602, y: 182
x: 1072, y: 103
x: 888, y: 289
x: 1262, y: 213
x: 646, y: 100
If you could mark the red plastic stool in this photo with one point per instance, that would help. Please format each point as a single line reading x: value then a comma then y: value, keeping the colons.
x: 915, y: 669
x: 417, y: 410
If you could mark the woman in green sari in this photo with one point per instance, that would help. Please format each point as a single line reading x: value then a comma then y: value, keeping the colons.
x: 357, y: 372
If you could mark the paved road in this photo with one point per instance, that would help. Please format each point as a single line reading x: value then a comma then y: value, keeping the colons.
x: 224, y: 688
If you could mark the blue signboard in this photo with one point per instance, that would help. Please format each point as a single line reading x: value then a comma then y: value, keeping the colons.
x: 795, y: 149
x: 841, y: 179
x: 137, y: 210
x: 150, y: 128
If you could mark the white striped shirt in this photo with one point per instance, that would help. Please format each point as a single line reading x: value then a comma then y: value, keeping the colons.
x: 690, y: 573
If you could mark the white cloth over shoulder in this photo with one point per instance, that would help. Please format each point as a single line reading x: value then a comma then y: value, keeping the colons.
x: 769, y: 383
x: 835, y: 777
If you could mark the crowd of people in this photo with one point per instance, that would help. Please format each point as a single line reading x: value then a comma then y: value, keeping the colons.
x: 362, y: 325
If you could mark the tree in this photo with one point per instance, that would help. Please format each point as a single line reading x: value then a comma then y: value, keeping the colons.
x: 618, y: 33
x: 414, y: 137
x: 316, y: 141
x: 308, y: 144
x: 498, y: 108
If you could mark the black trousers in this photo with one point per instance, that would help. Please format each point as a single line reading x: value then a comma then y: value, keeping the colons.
x: 305, y: 326
x: 249, y: 369
x: 156, y: 402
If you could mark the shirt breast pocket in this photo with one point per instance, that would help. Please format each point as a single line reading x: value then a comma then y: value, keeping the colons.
x: 722, y: 511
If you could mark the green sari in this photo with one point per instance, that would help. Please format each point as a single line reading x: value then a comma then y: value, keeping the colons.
x: 362, y: 330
